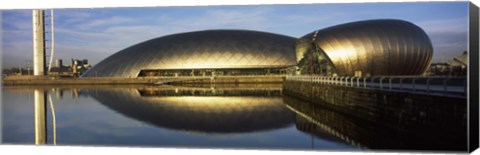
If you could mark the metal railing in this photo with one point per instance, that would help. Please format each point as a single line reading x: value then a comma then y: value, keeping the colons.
x: 456, y: 86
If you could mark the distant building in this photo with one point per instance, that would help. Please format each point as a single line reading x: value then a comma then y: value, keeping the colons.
x: 457, y: 66
x: 76, y: 68
x: 461, y: 60
x: 17, y: 71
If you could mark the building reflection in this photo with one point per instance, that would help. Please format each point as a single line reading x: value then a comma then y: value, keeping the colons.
x: 317, y: 120
x: 322, y: 131
x: 40, y: 112
x: 40, y: 117
x: 201, y: 110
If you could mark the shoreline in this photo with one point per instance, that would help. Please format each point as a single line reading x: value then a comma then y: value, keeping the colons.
x: 32, y: 80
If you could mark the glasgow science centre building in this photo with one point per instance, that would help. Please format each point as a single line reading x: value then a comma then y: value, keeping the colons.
x: 363, y: 48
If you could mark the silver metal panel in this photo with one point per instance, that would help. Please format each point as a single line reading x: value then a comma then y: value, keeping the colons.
x: 201, y: 49
x: 375, y: 47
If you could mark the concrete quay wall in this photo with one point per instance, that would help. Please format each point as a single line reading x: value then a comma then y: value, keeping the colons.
x: 373, y: 135
x: 399, y: 110
x: 128, y: 81
x: 76, y: 81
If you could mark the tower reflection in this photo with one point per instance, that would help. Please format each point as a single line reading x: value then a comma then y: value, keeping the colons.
x: 40, y: 113
x: 40, y: 116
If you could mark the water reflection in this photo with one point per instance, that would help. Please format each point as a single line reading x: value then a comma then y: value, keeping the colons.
x: 219, y: 117
x: 210, y: 116
x: 40, y: 116
x: 54, y: 123
x: 201, y: 110
x: 312, y: 118
x: 40, y: 113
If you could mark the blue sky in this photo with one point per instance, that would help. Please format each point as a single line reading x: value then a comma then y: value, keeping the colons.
x: 95, y: 34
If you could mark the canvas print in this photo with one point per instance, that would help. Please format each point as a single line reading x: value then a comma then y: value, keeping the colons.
x: 335, y: 77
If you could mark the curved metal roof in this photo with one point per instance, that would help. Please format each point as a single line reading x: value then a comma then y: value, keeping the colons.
x: 200, y: 49
x: 375, y: 47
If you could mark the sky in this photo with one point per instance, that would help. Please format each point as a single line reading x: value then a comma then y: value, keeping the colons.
x: 95, y: 34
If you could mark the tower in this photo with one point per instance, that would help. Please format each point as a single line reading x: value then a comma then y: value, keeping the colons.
x: 38, y: 43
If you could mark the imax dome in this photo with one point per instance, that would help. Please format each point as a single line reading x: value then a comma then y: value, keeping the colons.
x: 200, y: 52
x: 373, y: 47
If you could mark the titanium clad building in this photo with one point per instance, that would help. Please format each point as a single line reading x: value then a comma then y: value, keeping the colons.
x: 364, y: 48
x: 211, y: 52
x: 368, y: 48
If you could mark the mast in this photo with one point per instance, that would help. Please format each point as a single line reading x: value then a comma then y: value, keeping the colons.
x: 52, y: 47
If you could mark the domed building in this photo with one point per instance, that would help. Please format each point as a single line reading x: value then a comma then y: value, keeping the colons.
x: 366, y: 48
x: 201, y: 53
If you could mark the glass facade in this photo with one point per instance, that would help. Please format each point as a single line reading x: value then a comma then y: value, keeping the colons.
x: 314, y: 60
x: 217, y: 72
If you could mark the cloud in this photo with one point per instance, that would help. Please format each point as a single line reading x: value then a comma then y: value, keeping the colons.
x: 15, y: 35
x: 128, y: 35
x: 448, y: 44
x: 67, y: 17
x: 14, y: 19
x: 76, y: 36
x: 95, y: 34
x: 88, y: 34
x: 451, y: 24
x: 448, y: 36
x: 233, y: 17
x: 16, y: 53
x: 96, y: 46
x: 106, y: 22
x: 222, y: 19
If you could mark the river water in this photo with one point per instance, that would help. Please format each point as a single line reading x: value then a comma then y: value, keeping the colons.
x: 246, y: 116
x: 251, y: 117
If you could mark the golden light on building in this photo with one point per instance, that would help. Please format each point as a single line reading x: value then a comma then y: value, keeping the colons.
x: 200, y: 111
x: 375, y: 47
x: 210, y: 52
